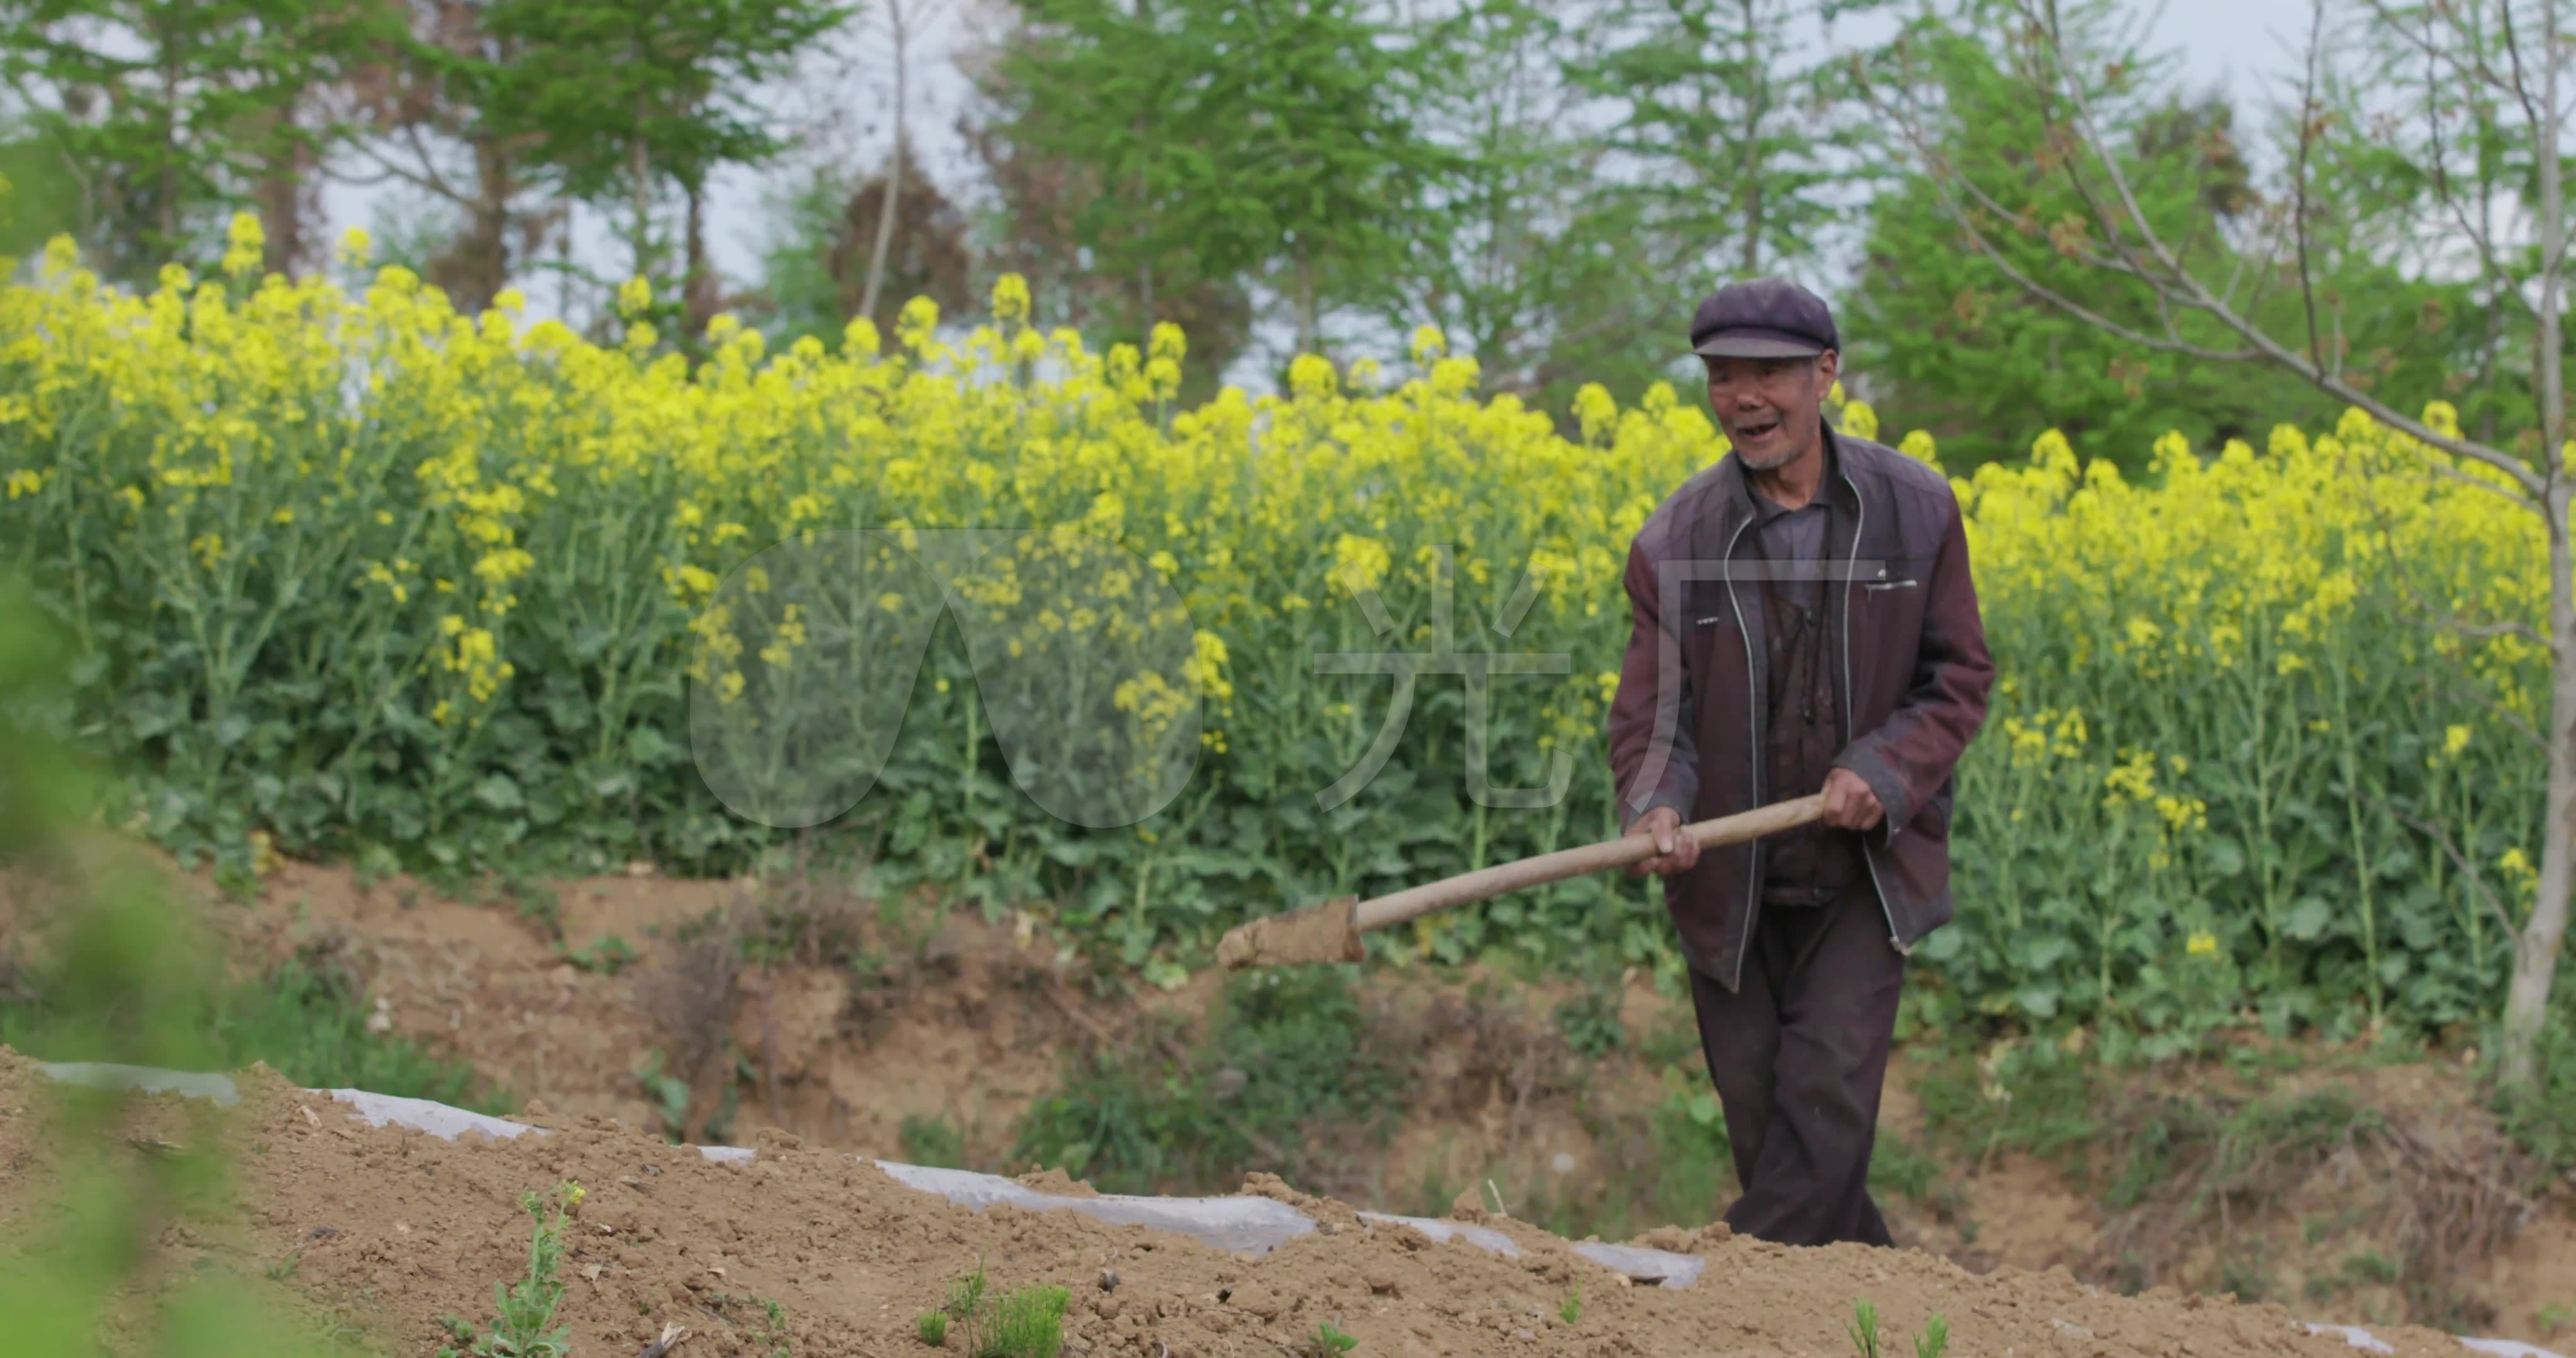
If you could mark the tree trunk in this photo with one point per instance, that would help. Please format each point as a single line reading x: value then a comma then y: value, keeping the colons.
x: 2536, y: 948
x: 886, y: 206
x: 698, y: 291
x: 1307, y: 325
x: 639, y: 169
x: 166, y: 218
x: 2535, y: 953
x: 285, y: 195
x: 477, y: 267
x: 1754, y: 108
x: 893, y: 197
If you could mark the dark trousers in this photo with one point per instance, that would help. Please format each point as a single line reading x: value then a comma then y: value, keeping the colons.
x: 1799, y: 1054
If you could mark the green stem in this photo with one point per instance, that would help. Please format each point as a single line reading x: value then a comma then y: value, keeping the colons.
x: 2360, y: 844
x: 2263, y: 837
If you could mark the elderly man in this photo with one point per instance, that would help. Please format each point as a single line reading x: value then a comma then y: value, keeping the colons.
x: 1804, y: 621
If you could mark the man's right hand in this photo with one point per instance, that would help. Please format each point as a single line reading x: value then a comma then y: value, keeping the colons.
x: 1674, y: 851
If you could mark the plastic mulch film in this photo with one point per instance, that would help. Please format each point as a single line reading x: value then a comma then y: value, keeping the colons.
x: 1250, y: 1226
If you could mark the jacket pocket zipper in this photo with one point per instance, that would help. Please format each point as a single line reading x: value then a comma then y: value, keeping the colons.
x: 1889, y: 584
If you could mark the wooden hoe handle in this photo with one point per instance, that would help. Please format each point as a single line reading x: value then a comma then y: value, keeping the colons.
x: 1379, y: 912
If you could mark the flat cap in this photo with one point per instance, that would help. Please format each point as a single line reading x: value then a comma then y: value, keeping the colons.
x: 1763, y: 318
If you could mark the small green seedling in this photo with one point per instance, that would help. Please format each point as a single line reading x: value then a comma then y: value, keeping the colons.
x: 1328, y: 1340
x: 1934, y: 1339
x: 1573, y: 1306
x: 933, y: 1327
x: 1864, y: 1329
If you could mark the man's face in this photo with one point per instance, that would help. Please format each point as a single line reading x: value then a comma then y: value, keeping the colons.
x: 1769, y: 408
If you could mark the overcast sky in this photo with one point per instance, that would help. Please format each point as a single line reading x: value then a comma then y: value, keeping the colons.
x: 2236, y: 46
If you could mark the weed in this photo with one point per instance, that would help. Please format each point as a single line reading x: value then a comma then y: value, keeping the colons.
x: 1900, y: 1167
x: 2554, y: 1318
x: 669, y: 1094
x: 1573, y: 1307
x: 2543, y: 1125
x: 606, y: 955
x: 1669, y: 1165
x: 691, y: 1003
x: 2370, y: 1266
x: 1671, y: 1043
x: 933, y: 1141
x: 305, y: 1016
x: 374, y: 864
x: 1288, y: 1063
x: 1934, y: 1339
x: 1027, y: 1323
x: 2245, y: 1278
x: 777, y: 1314
x: 933, y: 1328
x: 1590, y: 1021
x: 527, y: 1307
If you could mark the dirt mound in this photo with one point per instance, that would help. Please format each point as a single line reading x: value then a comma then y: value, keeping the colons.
x: 391, y: 1230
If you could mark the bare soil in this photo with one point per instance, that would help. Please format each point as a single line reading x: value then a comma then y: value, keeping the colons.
x: 864, y: 1014
x: 391, y: 1230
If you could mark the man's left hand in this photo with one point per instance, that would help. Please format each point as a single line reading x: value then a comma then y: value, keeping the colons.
x: 1849, y: 804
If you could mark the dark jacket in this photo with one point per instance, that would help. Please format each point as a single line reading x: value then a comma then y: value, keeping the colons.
x: 1913, y: 671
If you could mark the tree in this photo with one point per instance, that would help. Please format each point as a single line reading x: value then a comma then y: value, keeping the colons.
x: 167, y: 114
x: 1041, y: 208
x: 1725, y: 140
x: 1947, y: 343
x: 1271, y: 140
x: 2476, y: 94
x: 905, y: 20
x: 431, y: 103
x: 38, y: 196
x: 614, y: 98
x: 1523, y: 257
x: 822, y: 265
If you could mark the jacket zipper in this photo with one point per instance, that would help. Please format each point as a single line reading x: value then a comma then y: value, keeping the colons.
x: 1860, y: 520
x: 1753, y: 723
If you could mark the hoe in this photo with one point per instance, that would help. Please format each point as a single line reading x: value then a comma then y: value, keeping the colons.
x: 1330, y: 932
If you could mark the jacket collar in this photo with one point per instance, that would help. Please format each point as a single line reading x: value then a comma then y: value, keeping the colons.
x: 1731, y: 501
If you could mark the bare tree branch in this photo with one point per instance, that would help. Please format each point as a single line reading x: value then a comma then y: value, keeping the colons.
x: 2317, y: 375
x: 425, y: 178
x: 2299, y: 174
x: 2467, y: 869
x: 2520, y: 89
x: 2170, y: 343
x: 2478, y: 72
x: 2442, y: 183
x: 2508, y: 494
